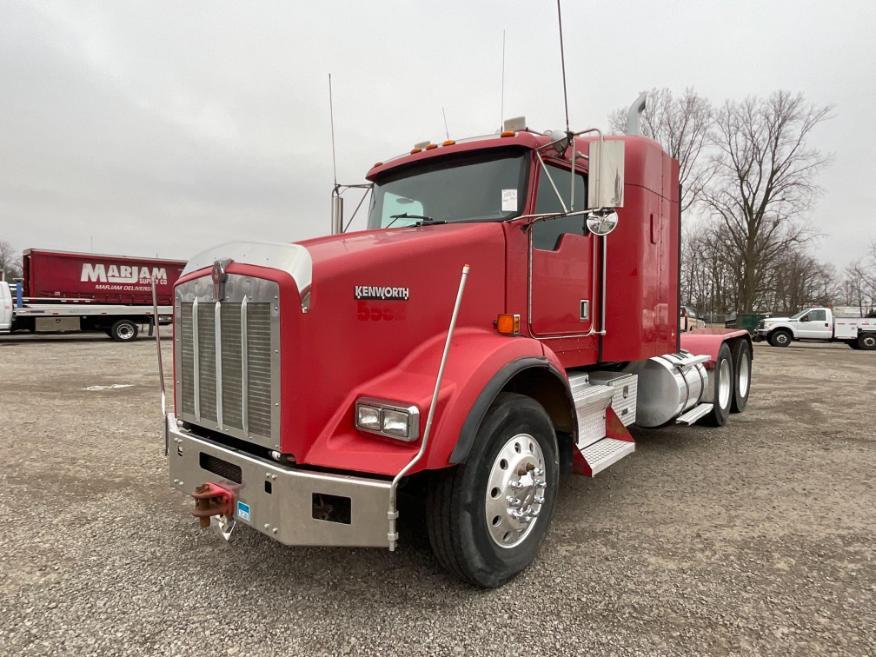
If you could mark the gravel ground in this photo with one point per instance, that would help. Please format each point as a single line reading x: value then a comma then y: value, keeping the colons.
x: 756, y: 538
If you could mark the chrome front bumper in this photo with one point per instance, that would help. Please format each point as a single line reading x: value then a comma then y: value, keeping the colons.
x: 279, y: 501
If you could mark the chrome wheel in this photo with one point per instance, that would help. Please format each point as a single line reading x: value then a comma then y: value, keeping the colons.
x: 725, y: 384
x: 782, y: 339
x: 744, y: 375
x: 515, y: 491
x: 125, y: 332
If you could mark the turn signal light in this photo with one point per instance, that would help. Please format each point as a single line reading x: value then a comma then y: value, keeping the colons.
x: 508, y: 324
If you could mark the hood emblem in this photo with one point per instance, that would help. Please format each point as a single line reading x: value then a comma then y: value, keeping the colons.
x: 381, y: 293
x: 220, y: 277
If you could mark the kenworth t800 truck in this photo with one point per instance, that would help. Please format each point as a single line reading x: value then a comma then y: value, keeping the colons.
x: 510, y: 313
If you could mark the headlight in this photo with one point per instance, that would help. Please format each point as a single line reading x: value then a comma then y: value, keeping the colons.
x: 386, y: 418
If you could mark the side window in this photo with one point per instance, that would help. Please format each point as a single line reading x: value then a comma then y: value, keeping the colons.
x: 546, y: 234
x: 394, y: 204
x: 818, y: 315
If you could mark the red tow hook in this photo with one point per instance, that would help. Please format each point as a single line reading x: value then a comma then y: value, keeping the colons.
x: 213, y: 500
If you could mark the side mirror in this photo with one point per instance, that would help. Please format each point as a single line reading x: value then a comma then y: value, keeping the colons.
x: 605, y: 184
x: 602, y: 224
x: 805, y: 318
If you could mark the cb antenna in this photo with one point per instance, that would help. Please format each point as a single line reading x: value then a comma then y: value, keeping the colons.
x: 446, y: 129
x: 563, y: 64
x: 502, y: 86
x: 332, y: 120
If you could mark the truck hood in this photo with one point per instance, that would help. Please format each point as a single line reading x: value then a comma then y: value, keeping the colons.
x: 376, y: 297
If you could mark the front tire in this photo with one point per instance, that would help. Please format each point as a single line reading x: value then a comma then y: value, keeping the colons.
x: 780, y: 338
x: 722, y: 393
x: 124, y: 330
x: 867, y: 341
x: 487, y: 517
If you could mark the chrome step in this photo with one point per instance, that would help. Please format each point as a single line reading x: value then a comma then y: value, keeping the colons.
x: 697, y: 412
x: 590, y: 404
x: 606, y: 452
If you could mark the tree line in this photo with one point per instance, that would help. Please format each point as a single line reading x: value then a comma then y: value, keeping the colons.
x: 749, y: 178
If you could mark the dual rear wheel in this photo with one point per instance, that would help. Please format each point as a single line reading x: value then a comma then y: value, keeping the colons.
x: 731, y: 379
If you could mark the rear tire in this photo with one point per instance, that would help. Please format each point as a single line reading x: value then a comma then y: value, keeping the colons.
x: 780, y: 338
x: 867, y: 341
x: 124, y: 330
x: 742, y: 376
x: 469, y: 516
x: 722, y: 395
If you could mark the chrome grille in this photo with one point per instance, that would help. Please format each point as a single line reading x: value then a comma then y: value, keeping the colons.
x: 228, y: 358
x: 232, y: 360
x: 259, y: 370
x: 206, y: 346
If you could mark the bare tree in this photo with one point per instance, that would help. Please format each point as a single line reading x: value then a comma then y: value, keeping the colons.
x: 681, y: 124
x: 859, y: 282
x: 764, y: 181
x: 10, y: 261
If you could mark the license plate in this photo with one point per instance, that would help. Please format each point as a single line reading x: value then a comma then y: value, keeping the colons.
x: 243, y: 511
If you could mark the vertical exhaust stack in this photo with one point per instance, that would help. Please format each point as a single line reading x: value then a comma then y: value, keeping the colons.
x: 337, y: 213
x: 634, y: 115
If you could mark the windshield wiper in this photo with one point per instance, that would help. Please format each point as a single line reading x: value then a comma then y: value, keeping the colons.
x: 423, y: 219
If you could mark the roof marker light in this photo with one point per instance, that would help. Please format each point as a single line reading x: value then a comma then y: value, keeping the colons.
x: 508, y: 133
x: 448, y: 142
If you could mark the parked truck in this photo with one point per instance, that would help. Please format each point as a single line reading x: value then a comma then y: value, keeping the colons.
x: 511, y: 311
x: 64, y: 292
x: 820, y: 325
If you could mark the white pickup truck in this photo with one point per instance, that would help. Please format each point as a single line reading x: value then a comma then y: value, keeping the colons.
x: 819, y: 324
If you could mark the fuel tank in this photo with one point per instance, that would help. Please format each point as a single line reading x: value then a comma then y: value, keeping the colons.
x: 668, y: 386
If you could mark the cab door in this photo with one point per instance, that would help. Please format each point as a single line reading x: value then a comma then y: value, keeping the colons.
x: 814, y: 325
x: 563, y: 290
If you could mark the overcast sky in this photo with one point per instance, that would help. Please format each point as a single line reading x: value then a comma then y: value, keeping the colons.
x: 165, y: 127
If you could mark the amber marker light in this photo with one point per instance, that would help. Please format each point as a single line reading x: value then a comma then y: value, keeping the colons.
x: 508, y: 133
x: 431, y: 146
x: 508, y: 324
x: 415, y: 150
x: 448, y: 142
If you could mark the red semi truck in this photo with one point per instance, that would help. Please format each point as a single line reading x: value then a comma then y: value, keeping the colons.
x: 64, y: 291
x: 484, y: 335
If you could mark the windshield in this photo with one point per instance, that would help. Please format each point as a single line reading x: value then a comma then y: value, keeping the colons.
x: 487, y: 186
x: 800, y: 314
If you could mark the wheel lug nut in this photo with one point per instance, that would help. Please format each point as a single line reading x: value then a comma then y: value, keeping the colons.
x: 513, y: 501
x: 538, y: 499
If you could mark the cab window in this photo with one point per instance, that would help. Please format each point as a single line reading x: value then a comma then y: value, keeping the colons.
x: 817, y: 315
x: 547, y: 233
